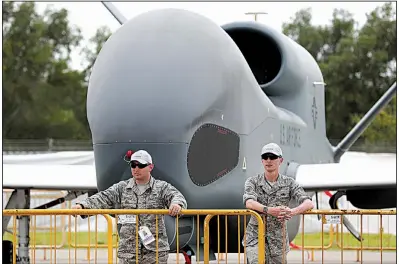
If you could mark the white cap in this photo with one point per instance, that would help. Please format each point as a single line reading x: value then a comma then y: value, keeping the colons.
x: 141, y: 156
x: 272, y: 148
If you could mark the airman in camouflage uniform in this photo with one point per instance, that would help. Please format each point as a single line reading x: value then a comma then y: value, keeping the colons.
x: 140, y: 192
x: 270, y: 193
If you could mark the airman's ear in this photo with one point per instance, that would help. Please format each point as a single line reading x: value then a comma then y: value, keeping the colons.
x: 151, y: 167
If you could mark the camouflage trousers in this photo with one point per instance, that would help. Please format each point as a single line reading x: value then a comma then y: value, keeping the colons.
x: 147, y: 257
x: 252, y: 257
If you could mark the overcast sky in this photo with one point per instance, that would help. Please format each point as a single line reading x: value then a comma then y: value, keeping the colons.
x: 89, y: 16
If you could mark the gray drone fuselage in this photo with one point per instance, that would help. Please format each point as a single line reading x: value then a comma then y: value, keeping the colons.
x: 203, y: 100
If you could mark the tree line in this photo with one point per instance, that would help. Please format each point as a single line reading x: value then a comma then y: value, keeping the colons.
x: 43, y: 97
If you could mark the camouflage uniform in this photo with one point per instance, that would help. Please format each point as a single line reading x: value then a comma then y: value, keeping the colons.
x: 147, y: 257
x: 126, y: 195
x: 279, y: 194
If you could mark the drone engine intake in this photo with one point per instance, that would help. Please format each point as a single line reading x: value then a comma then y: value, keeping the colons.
x: 280, y: 65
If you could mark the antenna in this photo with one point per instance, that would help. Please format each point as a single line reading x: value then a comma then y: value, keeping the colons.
x: 255, y: 14
x: 115, y: 12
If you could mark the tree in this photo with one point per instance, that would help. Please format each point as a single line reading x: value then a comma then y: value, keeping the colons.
x: 381, y: 134
x: 358, y: 65
x: 42, y: 96
x: 98, y: 40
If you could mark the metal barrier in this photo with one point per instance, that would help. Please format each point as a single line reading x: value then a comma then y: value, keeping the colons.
x: 116, y: 212
x: 52, y: 236
x: 331, y: 218
x: 39, y: 197
x: 43, y: 223
x: 334, y: 218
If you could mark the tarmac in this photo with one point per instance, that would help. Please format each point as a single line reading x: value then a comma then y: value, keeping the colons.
x: 65, y: 256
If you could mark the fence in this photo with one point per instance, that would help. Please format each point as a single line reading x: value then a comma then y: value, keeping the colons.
x: 45, y: 145
x: 331, y: 218
x: 336, y: 235
x: 52, y: 145
x: 137, y: 212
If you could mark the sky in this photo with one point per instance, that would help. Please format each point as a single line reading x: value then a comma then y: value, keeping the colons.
x: 89, y: 16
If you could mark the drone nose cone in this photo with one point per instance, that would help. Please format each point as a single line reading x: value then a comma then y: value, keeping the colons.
x: 156, y: 75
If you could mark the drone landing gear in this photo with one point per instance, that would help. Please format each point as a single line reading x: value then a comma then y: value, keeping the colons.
x: 334, y: 205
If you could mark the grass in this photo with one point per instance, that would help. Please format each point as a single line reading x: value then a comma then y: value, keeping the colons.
x: 369, y: 240
x: 313, y: 239
x: 79, y: 238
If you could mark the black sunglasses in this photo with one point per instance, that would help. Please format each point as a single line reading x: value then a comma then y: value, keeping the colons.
x: 141, y: 166
x: 269, y: 156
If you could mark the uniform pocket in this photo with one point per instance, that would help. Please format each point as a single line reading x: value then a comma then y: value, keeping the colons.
x: 154, y: 201
x: 283, y: 195
x: 129, y: 199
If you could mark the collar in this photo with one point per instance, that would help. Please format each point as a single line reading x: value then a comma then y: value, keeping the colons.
x: 266, y: 186
x: 268, y: 182
x: 133, y: 185
x: 264, y: 181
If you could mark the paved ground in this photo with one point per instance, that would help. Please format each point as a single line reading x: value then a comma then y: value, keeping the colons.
x: 294, y: 257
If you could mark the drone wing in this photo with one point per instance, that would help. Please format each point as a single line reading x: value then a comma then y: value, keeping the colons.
x: 49, y: 177
x: 355, y: 171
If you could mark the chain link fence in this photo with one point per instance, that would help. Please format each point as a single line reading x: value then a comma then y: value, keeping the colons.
x: 15, y: 146
x: 23, y: 146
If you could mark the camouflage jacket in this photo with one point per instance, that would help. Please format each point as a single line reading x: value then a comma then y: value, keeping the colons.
x: 126, y: 195
x: 279, y: 194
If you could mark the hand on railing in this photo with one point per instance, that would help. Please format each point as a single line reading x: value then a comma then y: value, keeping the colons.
x: 282, y: 213
x: 78, y: 207
x: 174, y: 209
x: 285, y: 213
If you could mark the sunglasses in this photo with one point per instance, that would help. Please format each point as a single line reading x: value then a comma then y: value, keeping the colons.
x: 141, y: 166
x: 269, y: 156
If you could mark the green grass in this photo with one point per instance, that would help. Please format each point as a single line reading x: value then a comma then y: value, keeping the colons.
x: 79, y: 238
x: 314, y: 239
x: 369, y: 240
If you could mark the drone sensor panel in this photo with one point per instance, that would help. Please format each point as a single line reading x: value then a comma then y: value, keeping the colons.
x: 213, y: 152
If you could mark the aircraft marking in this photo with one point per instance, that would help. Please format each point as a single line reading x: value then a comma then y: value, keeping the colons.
x: 314, y: 112
x: 244, y: 164
x: 290, y: 136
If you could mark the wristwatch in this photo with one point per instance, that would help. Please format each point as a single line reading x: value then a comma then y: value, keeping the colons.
x: 265, y: 209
